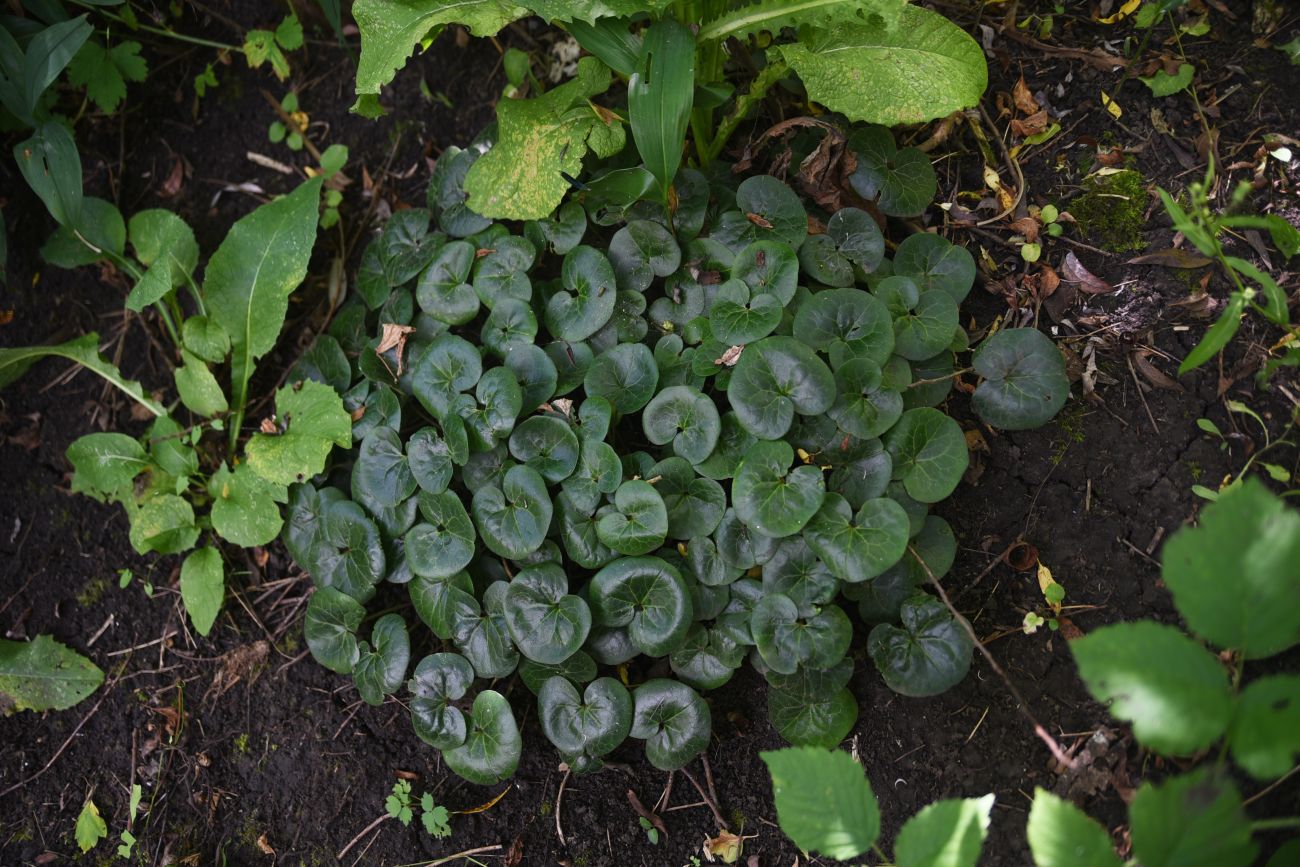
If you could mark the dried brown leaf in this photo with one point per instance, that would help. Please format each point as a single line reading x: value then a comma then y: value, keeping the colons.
x: 1025, y: 101
x: 394, y: 337
x: 1073, y: 271
x: 1174, y: 257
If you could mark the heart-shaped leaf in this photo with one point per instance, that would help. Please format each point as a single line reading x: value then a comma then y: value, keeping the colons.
x: 929, y: 453
x: 351, y: 554
x: 440, y: 679
x: 928, y: 327
x: 864, y: 407
x: 860, y: 471
x: 535, y: 372
x: 641, y: 251
x: 1024, y: 379
x: 934, y: 263
x: 647, y: 596
x: 381, y: 665
x: 855, y: 322
x: 546, y: 444
x: 548, y: 625
x: 443, y: 602
x: 774, y: 379
x: 443, y: 290
x: 482, y: 635
x: 707, y: 657
x: 811, y: 707
x: 330, y: 626
x: 433, y: 458
x: 686, y: 418
x: 858, y: 546
x: 674, y: 722
x: 382, y: 473
x: 449, y: 366
x: 695, y: 505
x: 626, y: 376
x: 901, y: 182
x: 490, y: 417
x: 513, y: 519
x: 929, y: 654
x: 492, y: 744
x: 638, y: 522
x: 768, y: 268
x: 796, y: 572
x: 773, y: 209
x: 591, y: 723
x: 786, y: 640
x: 733, y: 442
x: 771, y: 498
x: 511, y: 323
x: 738, y: 317
x: 444, y: 544
x: 586, y: 302
x: 502, y: 272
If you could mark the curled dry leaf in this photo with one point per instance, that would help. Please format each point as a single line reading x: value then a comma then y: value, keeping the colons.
x: 1072, y: 271
x: 1032, y: 125
x: 1174, y: 257
x: 1025, y: 101
x: 394, y: 337
x: 1026, y: 226
x: 726, y: 847
x: 730, y: 357
x: 1151, y: 373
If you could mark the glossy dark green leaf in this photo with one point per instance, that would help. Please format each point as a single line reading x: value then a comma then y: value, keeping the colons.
x: 324, y: 361
x: 351, y: 554
x: 511, y: 323
x: 626, y: 376
x: 586, y: 302
x: 928, y: 328
x: 741, y: 547
x: 674, y: 722
x: 864, y: 406
x: 900, y: 182
x: 502, y: 272
x: 330, y: 627
x: 447, y: 197
x: 787, y: 640
x: 928, y: 654
x: 513, y: 519
x: 737, y: 318
x: 561, y: 232
x: 707, y: 658
x: 860, y: 470
x: 774, y: 209
x: 858, y: 546
x: 578, y: 532
x: 443, y: 290
x: 812, y: 707
x: 381, y: 665
x: 695, y: 505
x: 492, y: 744
x: 571, y: 361
x: 937, y: 375
x: 498, y: 400
x: 592, y: 723
x: 1024, y: 379
x: 637, y: 523
x: 686, y: 418
x: 770, y: 497
x: 598, y: 472
x: 774, y: 379
x: 929, y: 452
x: 548, y: 445
x: 440, y: 679
x: 707, y: 566
x: 641, y: 251
x: 768, y: 268
x: 443, y: 602
x: 796, y: 572
x: 382, y: 472
x: 934, y: 263
x: 647, y: 596
x: 482, y: 635
x: 431, y: 459
x: 449, y: 366
x: 444, y: 544
x: 850, y: 320
x: 578, y: 669
x: 547, y: 624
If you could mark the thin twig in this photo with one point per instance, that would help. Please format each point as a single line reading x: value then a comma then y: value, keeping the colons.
x: 1021, y: 704
x: 372, y: 826
x: 717, y: 814
x: 559, y: 803
x: 54, y: 758
x: 468, y: 852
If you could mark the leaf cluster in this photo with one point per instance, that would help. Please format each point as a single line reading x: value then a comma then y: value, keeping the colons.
x: 692, y: 437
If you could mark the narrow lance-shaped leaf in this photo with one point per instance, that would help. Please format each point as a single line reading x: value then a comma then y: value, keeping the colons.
x: 660, y: 94
x: 83, y: 350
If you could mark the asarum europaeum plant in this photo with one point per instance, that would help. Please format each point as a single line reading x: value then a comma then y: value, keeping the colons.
x: 695, y: 438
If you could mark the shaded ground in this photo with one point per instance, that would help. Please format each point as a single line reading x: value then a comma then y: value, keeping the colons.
x: 287, y: 761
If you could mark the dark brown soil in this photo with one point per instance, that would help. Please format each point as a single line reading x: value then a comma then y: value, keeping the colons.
x: 287, y: 766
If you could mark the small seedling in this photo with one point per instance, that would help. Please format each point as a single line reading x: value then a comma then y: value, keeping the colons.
x: 278, y: 132
x: 91, y: 827
x: 128, y: 839
x: 402, y: 805
x: 651, y: 833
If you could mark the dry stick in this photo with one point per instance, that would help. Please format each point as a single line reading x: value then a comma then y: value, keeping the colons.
x: 1001, y: 558
x: 468, y: 852
x: 1021, y: 704
x: 372, y: 826
x: 54, y: 758
x: 1138, y: 385
x: 559, y: 803
x: 717, y: 814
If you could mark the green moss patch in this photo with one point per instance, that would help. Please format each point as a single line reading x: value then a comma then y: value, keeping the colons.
x: 1110, y: 209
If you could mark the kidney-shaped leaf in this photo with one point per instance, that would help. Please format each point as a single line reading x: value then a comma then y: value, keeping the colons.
x: 1024, y: 379
x: 858, y: 546
x: 674, y: 722
x: 900, y: 182
x: 492, y: 744
x: 638, y: 522
x: 775, y: 378
x: 929, y: 452
x: 440, y: 679
x: 685, y: 417
x: 647, y: 596
x: 786, y: 640
x: 547, y: 623
x: 590, y: 724
x: 770, y: 497
x: 330, y: 626
x: 626, y: 376
x: 381, y: 665
x: 813, y: 708
x: 513, y: 519
x: 929, y: 654
x: 586, y: 302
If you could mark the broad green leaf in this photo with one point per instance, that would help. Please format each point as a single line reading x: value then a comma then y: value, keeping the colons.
x: 929, y: 453
x: 926, y: 67
x: 586, y: 302
x: 660, y: 94
x: 1250, y: 535
x: 864, y: 406
x: 707, y: 658
x: 947, y: 833
x: 739, y: 546
x: 314, y: 421
x: 901, y: 182
x: 929, y: 654
x: 859, y: 472
x: 350, y: 557
x: 482, y: 635
x: 164, y: 525
x: 244, y: 509
x: 1062, y: 835
x: 247, y: 282
x: 447, y: 198
x: 577, y: 669
x: 547, y: 623
x: 100, y: 233
x: 503, y: 271
x: 858, y: 546
x: 813, y: 708
x: 927, y: 329
x: 1193, y: 820
x: 591, y: 723
x: 769, y: 268
x: 1173, y: 691
x: 444, y: 544
x: 390, y: 30
x: 733, y: 442
x: 197, y: 387
x: 304, y: 526
x: 440, y: 679
x: 381, y: 665
x: 203, y: 587
x: 641, y: 251
x: 498, y: 400
x: 647, y: 596
x: 513, y: 519
x: 562, y: 232
x: 934, y: 263
x: 686, y: 418
x: 695, y: 505
x: 42, y: 675
x: 770, y: 497
x: 52, y: 167
x: 598, y: 472
x: 638, y: 522
x: 774, y: 379
x: 787, y: 640
x: 205, y: 337
x: 795, y: 571
x: 492, y: 745
x: 674, y: 722
x: 548, y: 445
x: 738, y: 318
x: 83, y: 350
x: 443, y: 602
x: 772, y: 210
x: 520, y: 177
x: 536, y: 374
x: 164, y: 239
x: 382, y: 473
x: 444, y: 291
x: 1024, y: 379
x: 1265, y: 732
x: 1164, y: 84
x: 824, y: 802
x: 449, y: 366
x: 855, y: 321
x: 626, y: 376
x: 104, y: 464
